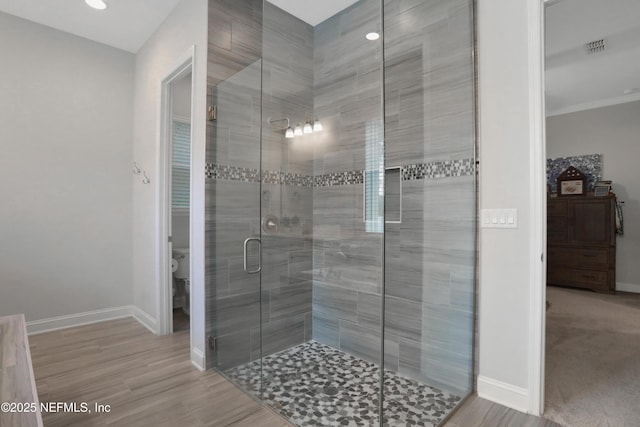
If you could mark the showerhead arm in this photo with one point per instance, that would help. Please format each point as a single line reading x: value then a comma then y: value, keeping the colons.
x: 272, y: 121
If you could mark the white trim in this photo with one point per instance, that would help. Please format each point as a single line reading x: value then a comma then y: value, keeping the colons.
x: 628, y: 287
x: 537, y: 205
x: 144, y: 318
x: 196, y: 216
x: 78, y: 319
x: 89, y: 317
x: 503, y: 393
x: 197, y: 358
x: 595, y: 104
x: 182, y: 67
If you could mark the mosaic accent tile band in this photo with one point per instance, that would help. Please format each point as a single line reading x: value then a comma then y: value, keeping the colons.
x: 434, y: 170
x: 338, y: 178
x: 446, y: 169
x: 232, y: 173
x: 312, y: 384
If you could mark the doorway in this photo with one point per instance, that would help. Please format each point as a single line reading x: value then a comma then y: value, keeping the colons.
x: 180, y: 171
x: 175, y: 210
x: 592, y: 108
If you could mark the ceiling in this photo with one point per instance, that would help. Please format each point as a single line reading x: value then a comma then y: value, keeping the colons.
x: 128, y: 24
x: 125, y: 24
x: 576, y: 80
x: 312, y: 11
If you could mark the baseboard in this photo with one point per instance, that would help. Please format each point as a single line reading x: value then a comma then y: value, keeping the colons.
x: 628, y: 287
x: 505, y: 394
x: 78, y: 319
x: 144, y: 318
x: 197, y: 358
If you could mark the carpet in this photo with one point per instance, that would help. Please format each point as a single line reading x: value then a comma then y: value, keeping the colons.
x: 592, y: 359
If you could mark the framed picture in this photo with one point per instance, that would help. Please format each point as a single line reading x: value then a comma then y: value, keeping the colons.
x: 574, y: 187
x: 602, y: 188
x: 572, y: 182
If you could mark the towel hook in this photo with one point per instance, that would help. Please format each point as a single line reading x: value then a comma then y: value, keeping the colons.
x: 136, y: 169
x: 146, y: 179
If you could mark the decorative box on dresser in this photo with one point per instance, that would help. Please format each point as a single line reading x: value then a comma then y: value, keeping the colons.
x: 581, y: 242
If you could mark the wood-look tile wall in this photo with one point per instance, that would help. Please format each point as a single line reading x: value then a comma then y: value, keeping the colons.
x: 235, y: 37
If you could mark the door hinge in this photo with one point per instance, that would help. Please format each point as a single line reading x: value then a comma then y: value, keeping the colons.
x: 213, y: 343
x: 213, y: 113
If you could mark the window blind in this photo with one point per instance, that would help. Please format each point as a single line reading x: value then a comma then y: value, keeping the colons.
x: 181, y: 162
x: 374, y: 177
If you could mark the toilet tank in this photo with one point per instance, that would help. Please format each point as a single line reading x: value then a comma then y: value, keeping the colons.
x: 182, y: 256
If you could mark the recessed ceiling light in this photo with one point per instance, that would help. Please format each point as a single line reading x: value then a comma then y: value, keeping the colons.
x: 372, y: 36
x: 96, y: 4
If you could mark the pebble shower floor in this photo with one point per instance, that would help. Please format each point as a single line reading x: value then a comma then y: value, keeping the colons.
x: 316, y: 385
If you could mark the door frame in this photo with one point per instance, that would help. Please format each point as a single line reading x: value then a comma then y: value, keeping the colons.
x: 537, y: 204
x: 184, y: 66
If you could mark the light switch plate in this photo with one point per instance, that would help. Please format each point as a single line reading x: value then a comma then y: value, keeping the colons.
x: 499, y: 218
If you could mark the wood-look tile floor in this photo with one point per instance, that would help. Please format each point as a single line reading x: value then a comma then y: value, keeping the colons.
x: 149, y: 381
x: 477, y: 412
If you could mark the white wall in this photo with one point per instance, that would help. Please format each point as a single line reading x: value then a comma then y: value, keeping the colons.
x: 66, y: 113
x: 613, y: 132
x: 506, y: 281
x: 186, y: 26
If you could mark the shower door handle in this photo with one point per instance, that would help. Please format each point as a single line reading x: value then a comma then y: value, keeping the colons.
x: 246, y: 243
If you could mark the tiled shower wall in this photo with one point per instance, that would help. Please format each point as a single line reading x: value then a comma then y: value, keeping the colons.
x: 429, y: 133
x: 247, y: 92
x: 323, y: 270
x: 347, y: 259
x: 429, y: 99
x: 287, y: 80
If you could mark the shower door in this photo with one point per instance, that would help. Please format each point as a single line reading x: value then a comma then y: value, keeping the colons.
x: 322, y: 216
x: 233, y: 193
x: 235, y: 254
x: 260, y: 210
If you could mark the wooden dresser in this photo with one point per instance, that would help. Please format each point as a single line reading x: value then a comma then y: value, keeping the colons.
x: 581, y: 242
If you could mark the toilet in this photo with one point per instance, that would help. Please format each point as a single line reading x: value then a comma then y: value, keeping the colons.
x: 181, y: 274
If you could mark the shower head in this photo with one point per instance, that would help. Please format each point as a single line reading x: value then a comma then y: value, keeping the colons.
x: 288, y: 131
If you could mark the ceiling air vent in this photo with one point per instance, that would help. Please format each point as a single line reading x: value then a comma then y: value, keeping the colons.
x: 595, y: 46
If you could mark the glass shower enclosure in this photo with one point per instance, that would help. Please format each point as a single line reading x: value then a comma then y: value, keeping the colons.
x: 341, y: 208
